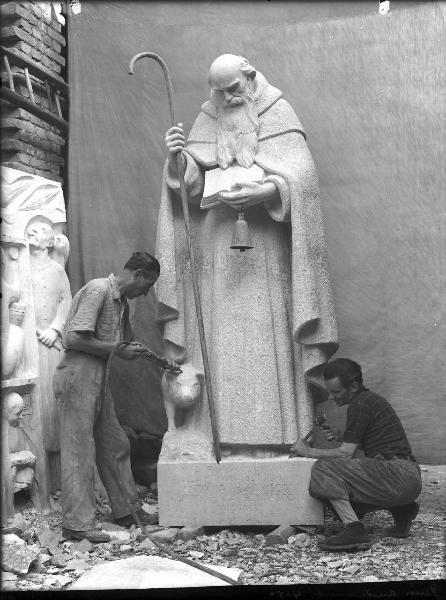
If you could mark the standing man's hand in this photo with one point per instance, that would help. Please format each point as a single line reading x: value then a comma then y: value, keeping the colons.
x: 131, y: 351
x: 299, y: 448
x: 170, y: 364
x: 175, y: 143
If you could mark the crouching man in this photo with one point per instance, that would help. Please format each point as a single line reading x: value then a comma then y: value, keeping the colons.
x: 387, y: 477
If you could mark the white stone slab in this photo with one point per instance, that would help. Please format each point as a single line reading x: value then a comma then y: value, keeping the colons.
x: 237, y: 492
x: 145, y: 572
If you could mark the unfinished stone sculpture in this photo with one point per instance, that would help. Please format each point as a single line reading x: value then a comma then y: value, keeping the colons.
x: 17, y: 461
x: 26, y: 198
x: 268, y: 311
x: 21, y: 457
x: 181, y: 394
x: 52, y: 300
x: 13, y: 338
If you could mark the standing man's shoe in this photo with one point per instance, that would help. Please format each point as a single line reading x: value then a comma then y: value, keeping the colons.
x: 354, y: 537
x: 95, y: 536
x: 403, y: 517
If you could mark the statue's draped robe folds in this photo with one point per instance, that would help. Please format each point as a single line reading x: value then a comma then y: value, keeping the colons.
x: 52, y: 300
x: 268, y: 312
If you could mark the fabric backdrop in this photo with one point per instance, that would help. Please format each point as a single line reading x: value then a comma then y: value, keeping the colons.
x: 369, y: 90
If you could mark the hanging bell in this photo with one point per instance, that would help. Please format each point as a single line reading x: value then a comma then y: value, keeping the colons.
x: 241, y: 239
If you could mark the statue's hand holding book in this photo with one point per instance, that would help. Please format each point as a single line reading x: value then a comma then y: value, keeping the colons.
x: 236, y: 186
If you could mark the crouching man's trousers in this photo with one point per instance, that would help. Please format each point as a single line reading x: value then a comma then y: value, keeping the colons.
x: 374, y: 481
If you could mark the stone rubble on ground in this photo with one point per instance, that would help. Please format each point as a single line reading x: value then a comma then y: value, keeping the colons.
x: 49, y: 539
x: 17, y: 555
x: 56, y: 563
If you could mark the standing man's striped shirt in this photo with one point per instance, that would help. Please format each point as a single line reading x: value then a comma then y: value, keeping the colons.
x: 98, y: 307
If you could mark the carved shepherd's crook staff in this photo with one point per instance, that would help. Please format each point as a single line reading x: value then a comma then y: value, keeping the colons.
x: 204, y: 352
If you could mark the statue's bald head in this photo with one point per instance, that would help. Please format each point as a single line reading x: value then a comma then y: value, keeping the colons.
x: 12, y: 408
x: 227, y: 69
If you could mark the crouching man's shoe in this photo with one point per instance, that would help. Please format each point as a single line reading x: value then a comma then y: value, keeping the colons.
x: 403, y: 517
x: 144, y: 517
x: 95, y: 536
x: 353, y: 537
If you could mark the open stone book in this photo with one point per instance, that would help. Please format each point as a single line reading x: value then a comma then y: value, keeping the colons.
x: 219, y: 180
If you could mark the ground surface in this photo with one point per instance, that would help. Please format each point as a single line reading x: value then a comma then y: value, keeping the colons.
x: 419, y: 557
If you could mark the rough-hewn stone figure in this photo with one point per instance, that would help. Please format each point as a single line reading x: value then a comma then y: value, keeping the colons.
x: 17, y: 461
x: 52, y: 298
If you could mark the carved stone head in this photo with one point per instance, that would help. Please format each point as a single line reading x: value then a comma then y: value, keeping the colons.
x: 13, y: 408
x: 40, y: 234
x: 231, y: 78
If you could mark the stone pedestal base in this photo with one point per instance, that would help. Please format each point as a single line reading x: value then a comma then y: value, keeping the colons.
x: 237, y: 492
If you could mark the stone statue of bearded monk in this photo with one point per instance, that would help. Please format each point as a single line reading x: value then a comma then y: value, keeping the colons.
x: 268, y: 312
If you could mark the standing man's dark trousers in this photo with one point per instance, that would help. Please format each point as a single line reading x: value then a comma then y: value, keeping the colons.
x: 90, y: 429
x: 372, y: 481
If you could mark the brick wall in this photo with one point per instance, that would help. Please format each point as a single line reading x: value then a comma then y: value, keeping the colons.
x: 29, y: 143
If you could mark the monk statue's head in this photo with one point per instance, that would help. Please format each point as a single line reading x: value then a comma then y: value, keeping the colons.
x: 233, y: 85
x: 40, y: 235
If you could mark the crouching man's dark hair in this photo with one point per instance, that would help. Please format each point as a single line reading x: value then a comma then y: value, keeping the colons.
x: 347, y: 370
x: 144, y: 261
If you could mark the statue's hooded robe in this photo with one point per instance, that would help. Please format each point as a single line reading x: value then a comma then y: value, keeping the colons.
x: 268, y: 312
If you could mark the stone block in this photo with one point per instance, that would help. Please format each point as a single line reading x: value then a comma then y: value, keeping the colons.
x: 146, y: 572
x: 118, y: 536
x: 60, y: 560
x: 166, y: 535
x: 50, y: 540
x: 237, y: 492
x: 149, y: 509
x: 190, y: 533
x: 76, y: 564
x: 8, y: 577
x: 17, y: 555
x: 83, y: 546
x: 146, y: 544
x: 280, y: 535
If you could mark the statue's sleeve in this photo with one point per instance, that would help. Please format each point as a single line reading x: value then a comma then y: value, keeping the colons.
x: 193, y: 178
x: 287, y: 162
x: 279, y: 209
x: 63, y: 304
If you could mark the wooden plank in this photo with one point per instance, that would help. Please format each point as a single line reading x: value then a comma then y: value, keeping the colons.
x: 34, y: 109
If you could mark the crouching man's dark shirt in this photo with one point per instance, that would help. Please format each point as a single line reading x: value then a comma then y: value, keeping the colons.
x: 375, y: 427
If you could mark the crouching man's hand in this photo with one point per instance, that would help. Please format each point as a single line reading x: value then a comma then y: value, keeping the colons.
x: 331, y: 435
x: 299, y: 448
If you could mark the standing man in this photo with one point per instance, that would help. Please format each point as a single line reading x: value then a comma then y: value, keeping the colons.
x: 387, y: 476
x: 96, y: 324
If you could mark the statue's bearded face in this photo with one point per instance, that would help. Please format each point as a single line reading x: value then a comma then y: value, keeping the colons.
x: 237, y: 120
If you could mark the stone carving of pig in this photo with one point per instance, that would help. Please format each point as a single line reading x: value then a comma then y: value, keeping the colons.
x: 181, y: 390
